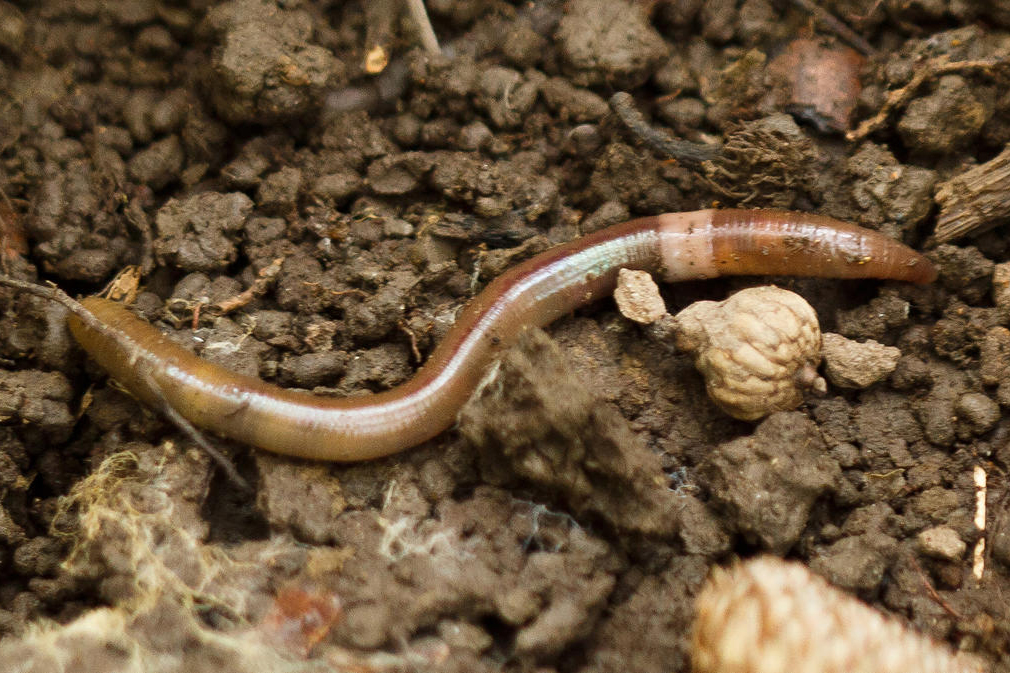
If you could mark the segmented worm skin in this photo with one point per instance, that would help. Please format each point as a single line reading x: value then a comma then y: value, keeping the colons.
x: 679, y: 246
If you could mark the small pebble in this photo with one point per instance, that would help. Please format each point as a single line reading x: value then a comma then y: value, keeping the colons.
x: 941, y: 542
x: 638, y: 298
x: 337, y: 187
x: 475, y: 136
x: 851, y: 364
x: 577, y: 104
x: 394, y: 227
x: 159, y: 163
x: 949, y: 118
x: 279, y: 191
x: 608, y: 43
x: 12, y: 28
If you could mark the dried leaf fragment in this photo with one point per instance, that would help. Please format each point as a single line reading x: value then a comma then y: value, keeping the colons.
x: 822, y: 81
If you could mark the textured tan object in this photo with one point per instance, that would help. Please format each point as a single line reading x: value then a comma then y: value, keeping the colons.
x: 758, y: 350
x: 637, y: 297
x: 769, y: 616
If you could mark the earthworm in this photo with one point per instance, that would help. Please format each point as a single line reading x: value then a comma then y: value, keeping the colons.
x: 679, y: 246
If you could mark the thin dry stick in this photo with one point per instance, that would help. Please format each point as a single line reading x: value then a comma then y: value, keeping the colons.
x: 136, y: 216
x: 258, y: 287
x: 901, y: 97
x: 423, y: 23
x: 931, y: 590
x: 405, y: 328
x: 832, y: 23
x: 54, y: 294
x: 197, y: 438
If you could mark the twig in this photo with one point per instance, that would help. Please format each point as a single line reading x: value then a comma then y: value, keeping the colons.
x: 53, y: 293
x: 136, y: 216
x: 974, y: 201
x: 900, y: 97
x: 266, y: 276
x: 405, y: 328
x: 423, y: 23
x: 223, y: 462
x: 834, y: 24
x: 933, y: 592
x: 684, y: 151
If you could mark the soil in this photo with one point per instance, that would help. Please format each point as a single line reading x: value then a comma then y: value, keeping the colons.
x: 569, y: 520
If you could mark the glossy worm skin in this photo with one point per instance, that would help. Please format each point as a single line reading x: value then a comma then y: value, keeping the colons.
x: 679, y: 246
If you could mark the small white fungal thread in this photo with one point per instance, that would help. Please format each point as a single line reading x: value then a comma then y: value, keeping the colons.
x: 126, y: 510
x: 489, y: 378
x: 538, y: 511
x: 769, y: 616
x: 226, y: 346
x: 401, y: 538
x: 408, y: 535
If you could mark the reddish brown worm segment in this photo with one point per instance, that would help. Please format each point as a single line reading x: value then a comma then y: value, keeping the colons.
x: 679, y: 246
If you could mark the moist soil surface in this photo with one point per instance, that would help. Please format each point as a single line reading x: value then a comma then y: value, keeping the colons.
x: 308, y: 196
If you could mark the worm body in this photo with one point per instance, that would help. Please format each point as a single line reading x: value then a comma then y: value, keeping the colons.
x: 679, y: 246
